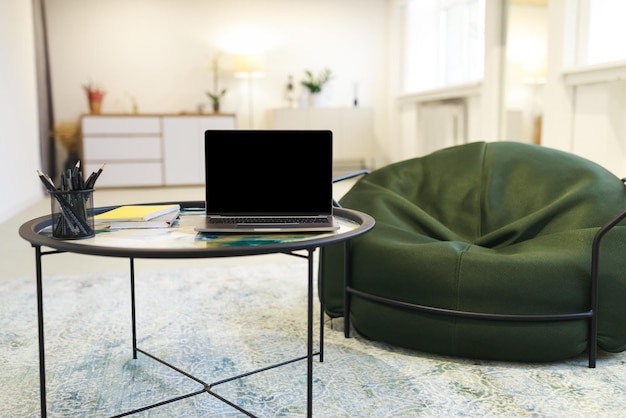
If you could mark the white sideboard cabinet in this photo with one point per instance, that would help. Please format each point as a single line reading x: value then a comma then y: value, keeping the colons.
x: 352, y: 127
x: 183, y: 141
x: 148, y: 150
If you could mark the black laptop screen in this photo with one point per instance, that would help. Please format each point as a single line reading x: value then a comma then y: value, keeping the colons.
x: 261, y: 172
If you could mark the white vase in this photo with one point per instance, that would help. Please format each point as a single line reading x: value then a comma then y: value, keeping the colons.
x: 315, y: 99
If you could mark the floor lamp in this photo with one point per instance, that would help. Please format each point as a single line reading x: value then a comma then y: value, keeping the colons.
x: 249, y: 66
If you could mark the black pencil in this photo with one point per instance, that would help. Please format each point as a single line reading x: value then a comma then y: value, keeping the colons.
x: 46, y: 181
x: 91, y: 181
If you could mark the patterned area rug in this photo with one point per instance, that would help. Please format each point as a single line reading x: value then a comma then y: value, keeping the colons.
x: 219, y: 322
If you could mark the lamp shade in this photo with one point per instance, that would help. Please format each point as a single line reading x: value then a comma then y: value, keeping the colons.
x: 252, y: 65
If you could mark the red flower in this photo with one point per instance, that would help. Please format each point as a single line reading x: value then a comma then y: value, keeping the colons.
x: 94, y: 94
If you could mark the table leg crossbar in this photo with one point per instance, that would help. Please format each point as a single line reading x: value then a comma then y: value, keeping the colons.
x: 206, y: 387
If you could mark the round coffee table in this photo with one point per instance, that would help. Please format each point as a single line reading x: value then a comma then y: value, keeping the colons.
x: 181, y: 241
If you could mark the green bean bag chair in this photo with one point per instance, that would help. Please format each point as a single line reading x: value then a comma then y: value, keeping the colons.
x: 496, y: 227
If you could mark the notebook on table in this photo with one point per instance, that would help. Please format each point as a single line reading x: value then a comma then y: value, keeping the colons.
x: 268, y: 181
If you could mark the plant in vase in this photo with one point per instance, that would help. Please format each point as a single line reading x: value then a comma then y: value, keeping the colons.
x: 94, y: 96
x: 315, y: 84
x: 217, y: 94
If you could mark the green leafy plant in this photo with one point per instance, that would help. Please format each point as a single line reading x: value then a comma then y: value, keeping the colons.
x: 315, y: 84
x: 217, y: 94
x: 215, y: 99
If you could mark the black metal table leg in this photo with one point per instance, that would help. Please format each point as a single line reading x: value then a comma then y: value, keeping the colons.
x: 346, y: 285
x: 132, y: 306
x: 322, y: 292
x: 42, y: 354
x: 309, y: 360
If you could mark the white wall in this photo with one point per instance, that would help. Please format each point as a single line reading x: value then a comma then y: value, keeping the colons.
x: 20, y: 156
x: 159, y: 52
x: 599, y: 130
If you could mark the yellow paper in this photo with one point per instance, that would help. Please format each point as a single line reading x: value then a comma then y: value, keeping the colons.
x: 136, y: 212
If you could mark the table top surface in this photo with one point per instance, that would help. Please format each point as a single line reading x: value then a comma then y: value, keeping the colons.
x: 182, y: 241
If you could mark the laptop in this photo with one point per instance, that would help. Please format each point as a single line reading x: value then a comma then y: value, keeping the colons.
x: 270, y: 181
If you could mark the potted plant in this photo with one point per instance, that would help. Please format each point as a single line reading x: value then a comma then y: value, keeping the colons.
x: 94, y: 96
x: 217, y: 94
x: 315, y: 84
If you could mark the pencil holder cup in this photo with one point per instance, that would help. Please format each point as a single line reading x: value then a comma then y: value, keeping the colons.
x: 72, y: 214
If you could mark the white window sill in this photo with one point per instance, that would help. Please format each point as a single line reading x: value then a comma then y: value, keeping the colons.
x: 460, y: 91
x: 592, y: 74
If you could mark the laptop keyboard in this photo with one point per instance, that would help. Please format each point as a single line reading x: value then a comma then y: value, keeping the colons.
x: 265, y: 220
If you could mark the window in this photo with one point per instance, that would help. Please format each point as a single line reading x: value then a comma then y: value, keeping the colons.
x: 601, y: 31
x: 444, y: 43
